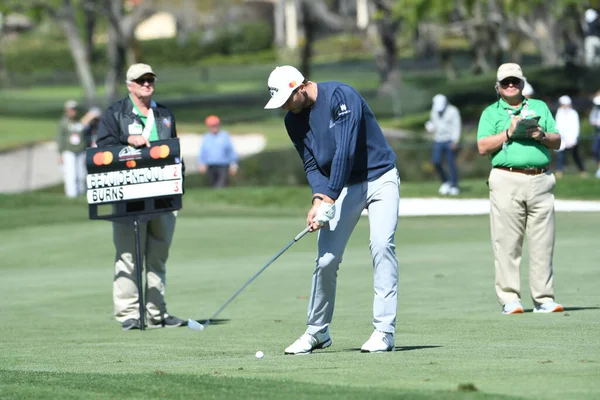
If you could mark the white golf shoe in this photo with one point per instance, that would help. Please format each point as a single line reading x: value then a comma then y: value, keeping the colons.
x: 445, y: 188
x: 379, y: 342
x: 549, y: 307
x: 306, y: 343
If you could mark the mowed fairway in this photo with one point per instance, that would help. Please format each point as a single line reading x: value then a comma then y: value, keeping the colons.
x: 58, y: 338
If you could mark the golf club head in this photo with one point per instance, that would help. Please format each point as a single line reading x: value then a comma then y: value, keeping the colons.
x: 195, y: 325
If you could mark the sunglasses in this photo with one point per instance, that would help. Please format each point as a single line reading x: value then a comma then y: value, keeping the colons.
x: 508, y: 81
x: 141, y: 81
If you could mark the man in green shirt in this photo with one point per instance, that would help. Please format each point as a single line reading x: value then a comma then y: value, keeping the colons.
x: 521, y: 190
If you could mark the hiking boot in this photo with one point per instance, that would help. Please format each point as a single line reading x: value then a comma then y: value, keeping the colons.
x: 309, y: 342
x: 379, y: 342
x: 129, y: 324
x: 548, y: 307
x: 513, y: 308
x: 170, y: 322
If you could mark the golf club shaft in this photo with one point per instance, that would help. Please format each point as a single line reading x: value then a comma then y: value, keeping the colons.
x: 298, y: 237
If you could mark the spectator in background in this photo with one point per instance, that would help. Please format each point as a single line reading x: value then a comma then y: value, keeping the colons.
x: 595, y: 122
x: 217, y: 157
x: 92, y: 120
x: 445, y: 124
x: 528, y: 90
x: 592, y: 38
x: 137, y: 121
x: 567, y: 123
x: 521, y: 191
x: 72, y: 139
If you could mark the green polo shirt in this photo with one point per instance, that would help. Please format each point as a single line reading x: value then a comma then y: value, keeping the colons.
x: 526, y: 153
x: 154, y: 133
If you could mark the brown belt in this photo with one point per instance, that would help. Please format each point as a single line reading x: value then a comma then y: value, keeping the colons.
x: 526, y: 171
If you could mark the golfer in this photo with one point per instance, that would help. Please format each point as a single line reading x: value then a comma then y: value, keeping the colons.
x: 350, y: 167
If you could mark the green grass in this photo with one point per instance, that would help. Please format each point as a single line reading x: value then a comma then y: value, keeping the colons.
x: 58, y: 338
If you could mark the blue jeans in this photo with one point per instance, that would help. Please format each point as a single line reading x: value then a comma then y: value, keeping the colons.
x: 596, y: 147
x: 562, y: 158
x: 441, y: 150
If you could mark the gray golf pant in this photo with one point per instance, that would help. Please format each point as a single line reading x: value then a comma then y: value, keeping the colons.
x: 381, y: 198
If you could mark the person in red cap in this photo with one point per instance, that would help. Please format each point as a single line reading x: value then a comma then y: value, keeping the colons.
x: 217, y: 157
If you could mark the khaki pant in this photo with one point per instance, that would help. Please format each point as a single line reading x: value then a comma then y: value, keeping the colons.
x: 522, y: 204
x: 155, y: 239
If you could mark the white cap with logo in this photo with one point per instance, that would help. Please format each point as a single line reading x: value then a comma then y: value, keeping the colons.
x: 138, y: 70
x: 509, y: 70
x: 282, y: 82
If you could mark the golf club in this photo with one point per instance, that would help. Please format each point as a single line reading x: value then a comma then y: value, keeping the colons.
x: 197, y: 326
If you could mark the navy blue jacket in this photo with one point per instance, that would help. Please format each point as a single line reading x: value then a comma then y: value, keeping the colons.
x: 339, y: 140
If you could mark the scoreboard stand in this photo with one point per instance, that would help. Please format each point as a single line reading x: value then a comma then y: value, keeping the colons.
x: 132, y: 185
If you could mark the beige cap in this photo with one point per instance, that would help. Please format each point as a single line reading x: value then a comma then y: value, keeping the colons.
x: 71, y: 104
x: 138, y: 70
x: 509, y: 70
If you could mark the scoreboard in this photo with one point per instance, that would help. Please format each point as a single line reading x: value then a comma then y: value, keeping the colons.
x: 133, y: 179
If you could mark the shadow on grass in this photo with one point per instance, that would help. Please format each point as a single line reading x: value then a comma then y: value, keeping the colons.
x: 212, y: 321
x: 398, y: 348
x: 530, y: 310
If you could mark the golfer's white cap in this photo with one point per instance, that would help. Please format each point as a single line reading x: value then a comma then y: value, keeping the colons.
x: 138, y: 70
x: 509, y: 70
x: 527, y: 89
x: 439, y: 102
x: 564, y: 100
x: 282, y: 82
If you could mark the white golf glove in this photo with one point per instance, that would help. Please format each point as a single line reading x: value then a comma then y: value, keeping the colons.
x: 325, y: 213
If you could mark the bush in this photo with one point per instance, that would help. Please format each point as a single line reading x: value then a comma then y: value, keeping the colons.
x: 50, y: 57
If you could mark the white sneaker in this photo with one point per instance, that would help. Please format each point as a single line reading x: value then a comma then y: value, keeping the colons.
x: 379, y: 342
x: 453, y: 191
x: 444, y: 189
x: 308, y: 342
x: 513, y: 308
x: 548, y: 307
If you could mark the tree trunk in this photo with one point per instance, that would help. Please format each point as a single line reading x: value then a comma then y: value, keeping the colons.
x: 82, y: 66
x: 116, y: 53
x: 309, y: 26
x: 387, y: 60
x: 90, y: 28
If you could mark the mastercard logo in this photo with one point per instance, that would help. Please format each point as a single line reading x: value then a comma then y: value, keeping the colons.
x: 292, y: 84
x: 103, y: 158
x: 130, y: 164
x: 161, y: 151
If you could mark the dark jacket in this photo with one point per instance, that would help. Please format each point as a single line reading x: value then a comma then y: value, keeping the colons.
x: 115, y: 122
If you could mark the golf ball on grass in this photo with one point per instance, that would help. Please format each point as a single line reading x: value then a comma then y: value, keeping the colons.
x: 259, y: 354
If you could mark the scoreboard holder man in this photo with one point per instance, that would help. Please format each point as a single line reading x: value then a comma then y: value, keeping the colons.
x: 126, y: 184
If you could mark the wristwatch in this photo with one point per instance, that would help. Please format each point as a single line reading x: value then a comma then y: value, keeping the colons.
x: 543, y: 137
